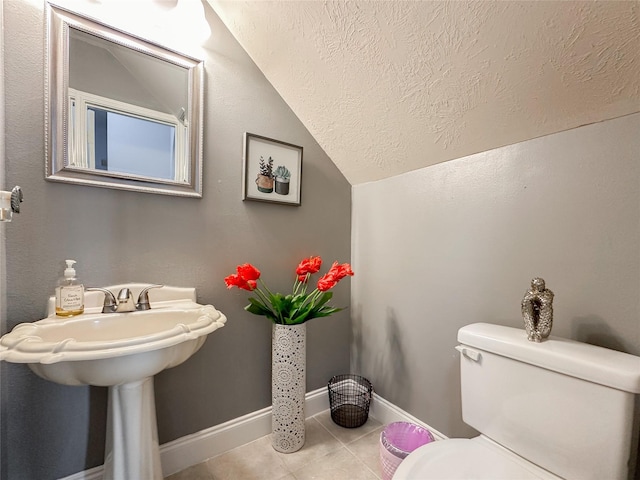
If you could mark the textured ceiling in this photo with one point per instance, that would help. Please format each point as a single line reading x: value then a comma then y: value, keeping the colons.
x: 387, y: 87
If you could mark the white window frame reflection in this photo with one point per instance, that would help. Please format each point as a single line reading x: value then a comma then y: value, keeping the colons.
x: 82, y: 135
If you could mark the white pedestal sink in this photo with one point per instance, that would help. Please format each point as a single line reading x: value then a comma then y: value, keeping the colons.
x: 122, y: 351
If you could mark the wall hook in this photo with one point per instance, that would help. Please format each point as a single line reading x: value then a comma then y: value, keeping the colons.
x: 10, y: 203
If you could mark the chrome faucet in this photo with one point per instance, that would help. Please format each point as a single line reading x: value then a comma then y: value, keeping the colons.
x: 124, y: 301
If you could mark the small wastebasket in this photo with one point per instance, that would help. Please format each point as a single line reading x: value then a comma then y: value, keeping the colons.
x: 349, y: 399
x: 397, y: 441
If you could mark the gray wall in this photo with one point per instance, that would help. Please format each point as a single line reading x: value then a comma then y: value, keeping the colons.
x: 459, y: 243
x: 119, y: 236
x: 3, y: 312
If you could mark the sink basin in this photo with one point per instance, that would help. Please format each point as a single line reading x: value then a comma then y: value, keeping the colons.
x: 110, y: 349
x: 106, y: 349
x: 122, y: 351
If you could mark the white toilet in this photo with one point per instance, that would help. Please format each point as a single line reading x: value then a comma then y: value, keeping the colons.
x: 556, y: 409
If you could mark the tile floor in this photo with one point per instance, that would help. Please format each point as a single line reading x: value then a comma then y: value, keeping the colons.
x: 330, y: 452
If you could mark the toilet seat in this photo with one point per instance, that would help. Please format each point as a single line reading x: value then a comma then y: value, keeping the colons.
x: 461, y: 458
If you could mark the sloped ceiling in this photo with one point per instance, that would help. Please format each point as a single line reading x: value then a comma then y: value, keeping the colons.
x: 386, y: 87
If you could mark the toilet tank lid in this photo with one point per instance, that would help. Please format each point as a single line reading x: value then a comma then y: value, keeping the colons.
x: 588, y: 362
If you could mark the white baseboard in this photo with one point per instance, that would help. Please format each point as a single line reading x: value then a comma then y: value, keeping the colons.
x: 200, y: 446
x: 386, y: 412
x: 94, y: 473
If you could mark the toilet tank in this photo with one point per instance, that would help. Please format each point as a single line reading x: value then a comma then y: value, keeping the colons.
x: 563, y: 405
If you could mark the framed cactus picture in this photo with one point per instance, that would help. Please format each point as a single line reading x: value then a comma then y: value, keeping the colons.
x: 272, y: 170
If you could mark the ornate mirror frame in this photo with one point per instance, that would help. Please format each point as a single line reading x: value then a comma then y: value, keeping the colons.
x: 58, y: 167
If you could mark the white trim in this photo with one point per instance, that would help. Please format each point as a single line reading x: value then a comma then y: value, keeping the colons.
x: 94, y: 473
x: 82, y: 129
x: 198, y: 447
x: 386, y: 412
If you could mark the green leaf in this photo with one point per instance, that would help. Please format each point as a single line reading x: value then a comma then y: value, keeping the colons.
x: 258, y: 308
x: 324, y: 298
x: 292, y: 309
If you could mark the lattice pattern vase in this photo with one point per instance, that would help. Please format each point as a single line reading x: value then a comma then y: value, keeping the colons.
x: 288, y: 386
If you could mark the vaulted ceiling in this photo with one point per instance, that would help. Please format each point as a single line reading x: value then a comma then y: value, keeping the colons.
x: 386, y: 87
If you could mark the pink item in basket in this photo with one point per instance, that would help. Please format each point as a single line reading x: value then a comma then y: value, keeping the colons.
x: 397, y: 441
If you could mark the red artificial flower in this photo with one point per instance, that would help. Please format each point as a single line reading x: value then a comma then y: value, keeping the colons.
x: 248, y: 272
x: 336, y: 273
x: 250, y: 285
x: 339, y: 271
x: 308, y: 265
x: 238, y: 281
x: 326, y: 282
x: 232, y: 281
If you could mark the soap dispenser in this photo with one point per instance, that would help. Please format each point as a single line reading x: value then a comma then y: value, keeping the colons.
x: 69, y: 293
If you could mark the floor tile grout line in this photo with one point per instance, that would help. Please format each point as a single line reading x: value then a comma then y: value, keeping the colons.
x: 340, y: 446
x: 346, y: 449
x: 351, y: 440
x: 346, y: 444
x: 342, y: 443
x: 358, y: 457
x: 361, y: 436
x: 362, y: 462
x: 328, y: 431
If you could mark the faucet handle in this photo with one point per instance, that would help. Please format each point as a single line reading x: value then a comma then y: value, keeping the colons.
x: 110, y: 303
x: 143, y: 298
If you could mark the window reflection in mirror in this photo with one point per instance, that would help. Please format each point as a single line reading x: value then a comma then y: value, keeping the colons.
x: 118, y: 142
x: 110, y: 136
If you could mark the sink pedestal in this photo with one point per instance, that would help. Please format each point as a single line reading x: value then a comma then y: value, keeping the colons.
x: 132, y: 449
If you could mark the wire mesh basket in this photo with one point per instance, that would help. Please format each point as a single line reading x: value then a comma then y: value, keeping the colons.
x: 349, y: 399
x: 397, y: 441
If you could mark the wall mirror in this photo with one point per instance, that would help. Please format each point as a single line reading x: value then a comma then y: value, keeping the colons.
x: 121, y: 112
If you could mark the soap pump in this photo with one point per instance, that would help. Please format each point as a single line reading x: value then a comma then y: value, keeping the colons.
x: 69, y: 293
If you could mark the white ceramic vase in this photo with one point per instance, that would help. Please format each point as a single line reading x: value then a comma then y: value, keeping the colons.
x: 288, y: 386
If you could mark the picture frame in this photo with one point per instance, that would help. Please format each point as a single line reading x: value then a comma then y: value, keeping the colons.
x: 272, y: 170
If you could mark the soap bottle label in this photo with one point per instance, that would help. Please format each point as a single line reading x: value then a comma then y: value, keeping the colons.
x: 70, y: 300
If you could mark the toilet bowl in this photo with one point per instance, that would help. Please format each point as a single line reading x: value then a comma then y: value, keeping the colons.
x: 477, y: 458
x: 550, y: 410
